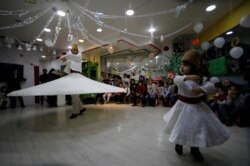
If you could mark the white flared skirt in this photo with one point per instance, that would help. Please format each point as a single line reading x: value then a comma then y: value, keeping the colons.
x: 194, y: 125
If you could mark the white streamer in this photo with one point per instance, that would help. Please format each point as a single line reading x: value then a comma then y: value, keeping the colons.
x: 80, y: 8
x: 176, y: 10
x: 26, y: 21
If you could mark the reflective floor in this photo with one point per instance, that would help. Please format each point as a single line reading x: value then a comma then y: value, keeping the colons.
x: 105, y: 135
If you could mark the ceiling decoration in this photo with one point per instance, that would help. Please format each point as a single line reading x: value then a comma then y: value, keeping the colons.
x: 75, y: 16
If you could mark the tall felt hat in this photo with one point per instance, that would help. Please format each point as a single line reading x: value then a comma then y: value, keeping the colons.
x: 193, y: 57
x: 74, y: 46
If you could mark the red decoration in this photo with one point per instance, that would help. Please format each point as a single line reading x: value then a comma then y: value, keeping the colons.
x: 171, y: 74
x: 196, y: 42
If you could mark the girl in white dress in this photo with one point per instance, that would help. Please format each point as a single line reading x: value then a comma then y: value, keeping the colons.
x: 190, y: 121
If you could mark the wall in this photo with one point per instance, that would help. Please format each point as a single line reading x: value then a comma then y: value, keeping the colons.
x: 28, y: 59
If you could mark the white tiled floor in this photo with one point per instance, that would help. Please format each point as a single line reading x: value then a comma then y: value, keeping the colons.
x: 106, y: 135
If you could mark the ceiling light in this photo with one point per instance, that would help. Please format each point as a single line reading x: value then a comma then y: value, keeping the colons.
x: 229, y: 32
x: 39, y: 39
x: 81, y: 40
x: 69, y: 47
x: 130, y: 12
x: 210, y: 8
x: 43, y: 56
x: 47, y: 30
x: 151, y: 30
x: 99, y: 30
x: 60, y: 13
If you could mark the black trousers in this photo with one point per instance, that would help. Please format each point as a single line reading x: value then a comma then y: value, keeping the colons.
x: 13, y: 101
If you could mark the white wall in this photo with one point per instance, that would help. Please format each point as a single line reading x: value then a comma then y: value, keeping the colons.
x: 28, y: 59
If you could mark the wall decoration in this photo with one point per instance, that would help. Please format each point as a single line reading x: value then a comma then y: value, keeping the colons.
x: 217, y: 67
x: 174, y: 64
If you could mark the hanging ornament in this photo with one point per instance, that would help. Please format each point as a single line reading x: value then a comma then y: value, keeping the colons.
x: 110, y: 49
x: 48, y: 42
x: 166, y: 48
x: 41, y: 49
x: 9, y: 40
x: 235, y: 41
x: 28, y: 47
x: 20, y: 48
x: 161, y: 38
x: 70, y: 37
x: 34, y: 48
x: 8, y: 46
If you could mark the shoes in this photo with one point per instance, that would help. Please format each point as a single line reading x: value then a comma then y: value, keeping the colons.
x: 179, y: 149
x: 197, y: 154
x: 82, y: 111
x: 73, y: 116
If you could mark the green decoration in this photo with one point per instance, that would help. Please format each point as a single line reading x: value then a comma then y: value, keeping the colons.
x: 175, y: 61
x: 217, y: 67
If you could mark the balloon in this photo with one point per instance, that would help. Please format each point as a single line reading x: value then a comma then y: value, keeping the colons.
x: 28, y: 47
x: 198, y: 27
x: 214, y: 80
x: 219, y: 42
x: 205, y: 45
x: 196, y: 42
x: 245, y: 21
x: 48, y: 42
x: 236, y: 52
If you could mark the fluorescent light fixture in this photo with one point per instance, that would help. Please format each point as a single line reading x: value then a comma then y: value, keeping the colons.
x: 151, y: 30
x: 130, y: 12
x: 60, y: 13
x: 39, y: 39
x: 229, y: 32
x: 210, y: 8
x: 99, y: 30
x: 81, y: 40
x: 43, y: 56
x: 47, y: 30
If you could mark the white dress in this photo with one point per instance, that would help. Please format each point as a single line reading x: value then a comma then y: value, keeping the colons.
x: 193, y: 125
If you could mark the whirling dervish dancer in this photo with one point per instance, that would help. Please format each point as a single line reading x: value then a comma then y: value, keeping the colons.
x: 74, y: 84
